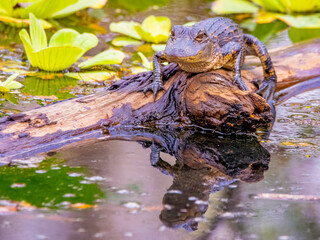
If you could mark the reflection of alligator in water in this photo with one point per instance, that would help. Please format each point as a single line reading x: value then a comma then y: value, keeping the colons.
x: 205, y: 163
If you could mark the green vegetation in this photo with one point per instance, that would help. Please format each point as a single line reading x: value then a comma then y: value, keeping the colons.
x: 153, y: 29
x: 10, y: 84
x: 16, y: 12
x: 295, y: 13
x: 49, y: 185
x: 65, y: 47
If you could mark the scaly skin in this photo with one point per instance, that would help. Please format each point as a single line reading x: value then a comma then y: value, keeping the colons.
x: 212, y: 44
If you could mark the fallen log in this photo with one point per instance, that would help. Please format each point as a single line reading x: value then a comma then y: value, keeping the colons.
x: 207, y: 100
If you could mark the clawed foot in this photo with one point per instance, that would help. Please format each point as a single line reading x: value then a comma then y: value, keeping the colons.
x: 267, y: 90
x: 241, y: 83
x: 154, y: 87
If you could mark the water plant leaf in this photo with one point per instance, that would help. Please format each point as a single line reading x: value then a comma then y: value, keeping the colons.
x: 110, y: 56
x: 289, y: 6
x: 271, y: 5
x: 19, y: 23
x: 233, y: 6
x: 145, y: 62
x: 25, y: 38
x: 154, y: 29
x: 301, y: 21
x: 10, y: 83
x: 92, y: 76
x: 63, y: 37
x: 124, y: 41
x: 85, y: 41
x: 46, y: 8
x: 56, y: 58
x: 37, y: 34
x: 65, y: 47
x: 80, y: 4
x: 126, y: 28
x: 302, y: 34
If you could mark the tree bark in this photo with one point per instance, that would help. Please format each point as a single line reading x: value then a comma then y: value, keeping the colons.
x: 206, y: 100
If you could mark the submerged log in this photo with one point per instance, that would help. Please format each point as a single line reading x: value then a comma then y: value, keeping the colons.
x: 207, y: 100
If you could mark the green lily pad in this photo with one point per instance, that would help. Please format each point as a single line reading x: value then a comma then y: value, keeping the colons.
x: 126, y: 28
x: 110, y: 56
x: 301, y: 21
x: 125, y: 41
x: 92, y: 76
x: 233, y: 6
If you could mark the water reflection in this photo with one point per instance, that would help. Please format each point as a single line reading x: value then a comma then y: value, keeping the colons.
x: 205, y: 163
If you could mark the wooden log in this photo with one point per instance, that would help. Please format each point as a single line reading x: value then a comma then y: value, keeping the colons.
x: 207, y: 100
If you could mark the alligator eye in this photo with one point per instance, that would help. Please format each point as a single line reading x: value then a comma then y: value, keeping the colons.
x: 200, y: 36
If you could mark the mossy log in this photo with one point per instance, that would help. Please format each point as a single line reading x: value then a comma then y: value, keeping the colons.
x: 207, y: 100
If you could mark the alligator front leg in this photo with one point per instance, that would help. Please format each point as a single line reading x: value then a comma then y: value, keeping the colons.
x: 157, y: 83
x: 268, y: 85
x: 232, y: 55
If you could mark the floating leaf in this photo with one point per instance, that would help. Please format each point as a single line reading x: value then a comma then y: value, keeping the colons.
x: 285, y: 6
x: 16, y: 22
x: 145, y: 62
x: 301, y: 21
x: 65, y: 47
x: 9, y: 84
x: 125, y: 41
x: 92, y: 76
x: 64, y: 37
x: 126, y: 28
x: 233, y: 6
x: 56, y: 58
x: 107, y: 57
x: 46, y: 8
x: 80, y: 4
x: 302, y: 34
x: 272, y: 5
x: 154, y: 29
x: 37, y: 34
x: 266, y: 31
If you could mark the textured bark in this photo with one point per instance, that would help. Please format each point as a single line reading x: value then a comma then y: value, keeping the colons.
x: 207, y: 100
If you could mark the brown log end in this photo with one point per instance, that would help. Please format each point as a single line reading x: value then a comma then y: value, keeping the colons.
x: 213, y: 101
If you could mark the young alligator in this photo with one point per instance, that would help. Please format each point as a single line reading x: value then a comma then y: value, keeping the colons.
x: 211, y: 44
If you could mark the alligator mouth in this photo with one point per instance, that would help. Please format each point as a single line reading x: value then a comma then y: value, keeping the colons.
x: 174, y: 58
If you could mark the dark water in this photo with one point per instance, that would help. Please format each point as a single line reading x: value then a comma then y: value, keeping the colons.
x: 201, y: 187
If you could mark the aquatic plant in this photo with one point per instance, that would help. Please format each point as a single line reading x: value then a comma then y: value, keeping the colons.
x: 16, y: 12
x: 153, y: 29
x: 10, y: 84
x: 272, y: 10
x: 65, y: 47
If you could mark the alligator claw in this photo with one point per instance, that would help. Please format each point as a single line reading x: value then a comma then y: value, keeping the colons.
x: 154, y: 87
x: 241, y: 83
x: 267, y: 90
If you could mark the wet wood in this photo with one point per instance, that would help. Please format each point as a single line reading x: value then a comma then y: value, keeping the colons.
x: 208, y: 100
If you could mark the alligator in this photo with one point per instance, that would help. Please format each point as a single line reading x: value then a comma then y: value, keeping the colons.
x: 212, y: 44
